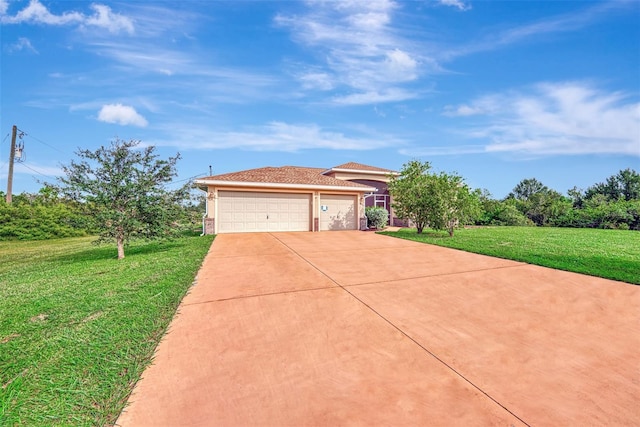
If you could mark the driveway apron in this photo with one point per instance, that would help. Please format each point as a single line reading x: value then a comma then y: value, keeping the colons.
x: 355, y: 328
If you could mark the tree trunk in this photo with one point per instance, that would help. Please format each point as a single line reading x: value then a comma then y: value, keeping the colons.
x: 120, y: 242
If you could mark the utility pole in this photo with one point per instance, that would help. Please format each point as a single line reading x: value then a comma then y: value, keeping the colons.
x: 11, y: 158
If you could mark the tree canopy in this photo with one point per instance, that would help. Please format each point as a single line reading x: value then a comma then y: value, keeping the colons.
x: 410, y: 198
x: 125, y: 189
x: 538, y: 202
x: 441, y: 201
x: 625, y: 185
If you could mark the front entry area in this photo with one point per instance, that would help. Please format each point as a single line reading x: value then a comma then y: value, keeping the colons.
x: 245, y: 212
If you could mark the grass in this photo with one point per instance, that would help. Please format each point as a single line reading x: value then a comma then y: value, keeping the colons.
x: 612, y: 254
x: 77, y: 327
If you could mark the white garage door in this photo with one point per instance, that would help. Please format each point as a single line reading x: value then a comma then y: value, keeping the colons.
x: 338, y: 212
x: 244, y: 212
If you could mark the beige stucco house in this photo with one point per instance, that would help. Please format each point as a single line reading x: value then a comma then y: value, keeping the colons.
x: 292, y: 198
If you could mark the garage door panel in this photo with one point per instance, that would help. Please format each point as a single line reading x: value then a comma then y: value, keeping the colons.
x: 339, y: 212
x: 257, y: 212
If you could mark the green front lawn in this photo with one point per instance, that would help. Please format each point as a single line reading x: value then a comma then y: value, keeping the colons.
x: 77, y: 326
x: 612, y: 254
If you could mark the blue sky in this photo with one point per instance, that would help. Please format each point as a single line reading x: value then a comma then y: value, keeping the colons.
x: 495, y: 91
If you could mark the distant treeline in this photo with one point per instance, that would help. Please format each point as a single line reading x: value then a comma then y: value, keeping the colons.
x: 47, y: 215
x: 614, y: 203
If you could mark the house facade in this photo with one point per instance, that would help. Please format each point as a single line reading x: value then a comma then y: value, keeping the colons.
x: 292, y: 198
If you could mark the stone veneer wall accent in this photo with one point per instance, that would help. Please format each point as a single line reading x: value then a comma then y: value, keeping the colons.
x: 209, y: 226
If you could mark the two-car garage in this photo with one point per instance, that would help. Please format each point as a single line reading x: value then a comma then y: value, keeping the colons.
x: 286, y: 198
x: 240, y: 211
x: 249, y: 211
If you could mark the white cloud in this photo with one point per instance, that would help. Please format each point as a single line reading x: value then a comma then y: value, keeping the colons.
x: 35, y: 12
x: 557, y: 119
x: 362, y: 54
x: 455, y: 3
x: 121, y: 114
x: 482, y: 105
x: 23, y: 43
x: 365, y: 98
x: 105, y: 18
x: 316, y: 80
x: 279, y: 137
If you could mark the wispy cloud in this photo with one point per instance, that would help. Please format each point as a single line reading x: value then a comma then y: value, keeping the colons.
x: 121, y: 114
x: 36, y: 13
x: 375, y: 97
x: 554, y: 119
x: 278, y: 137
x: 363, y: 54
x: 453, y: 150
x: 459, y: 4
x: 552, y: 25
x: 23, y: 44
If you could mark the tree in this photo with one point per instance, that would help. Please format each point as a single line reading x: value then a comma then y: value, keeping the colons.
x: 125, y: 189
x: 537, y: 202
x: 624, y: 185
x: 527, y: 188
x: 440, y: 201
x: 410, y: 199
x: 451, y: 202
x: 497, y: 212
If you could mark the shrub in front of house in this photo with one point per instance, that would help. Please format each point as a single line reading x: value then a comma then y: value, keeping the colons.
x: 377, y: 217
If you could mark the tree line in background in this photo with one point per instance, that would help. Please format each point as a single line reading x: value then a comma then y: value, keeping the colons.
x: 614, y: 204
x: 443, y: 202
x: 123, y: 189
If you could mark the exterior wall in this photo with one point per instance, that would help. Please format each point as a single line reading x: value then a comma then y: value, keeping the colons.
x: 382, y: 186
x: 380, y: 198
x: 364, y: 175
x: 211, y: 222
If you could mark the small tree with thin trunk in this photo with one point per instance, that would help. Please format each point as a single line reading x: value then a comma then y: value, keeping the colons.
x: 124, y: 188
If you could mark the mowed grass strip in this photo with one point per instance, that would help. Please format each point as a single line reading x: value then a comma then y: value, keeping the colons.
x: 78, y: 327
x: 612, y: 254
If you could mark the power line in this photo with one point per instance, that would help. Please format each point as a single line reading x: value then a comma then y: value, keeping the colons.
x: 42, y: 142
x: 185, y: 179
x: 38, y: 172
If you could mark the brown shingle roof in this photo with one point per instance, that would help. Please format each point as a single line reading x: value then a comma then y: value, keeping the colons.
x: 361, y: 167
x: 284, y: 175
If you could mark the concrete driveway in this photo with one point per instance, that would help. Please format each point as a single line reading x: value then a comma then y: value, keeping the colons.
x: 354, y: 328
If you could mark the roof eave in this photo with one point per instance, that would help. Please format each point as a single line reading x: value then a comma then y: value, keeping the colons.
x: 283, y: 185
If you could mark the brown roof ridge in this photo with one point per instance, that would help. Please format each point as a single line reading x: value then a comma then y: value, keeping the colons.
x: 360, y: 167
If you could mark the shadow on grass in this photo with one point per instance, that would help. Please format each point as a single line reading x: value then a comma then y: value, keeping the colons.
x: 109, y: 251
x: 413, y: 235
